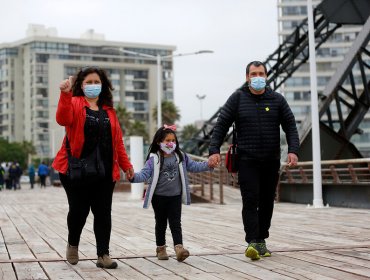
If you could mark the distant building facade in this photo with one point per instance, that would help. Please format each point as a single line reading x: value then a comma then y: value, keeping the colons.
x: 31, y: 70
x: 328, y: 57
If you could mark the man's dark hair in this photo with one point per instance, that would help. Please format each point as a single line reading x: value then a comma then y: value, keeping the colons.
x: 255, y: 63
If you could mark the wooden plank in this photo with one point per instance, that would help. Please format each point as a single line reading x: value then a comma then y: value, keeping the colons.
x: 60, y: 270
x: 247, y: 267
x: 284, y: 268
x: 182, y: 269
x: 7, y: 272
x: 124, y: 271
x: 328, y: 267
x: 150, y: 269
x: 27, y: 271
x: 88, y: 270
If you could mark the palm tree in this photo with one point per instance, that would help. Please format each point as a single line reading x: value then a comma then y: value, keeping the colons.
x: 124, y: 118
x: 188, y: 131
x: 170, y: 113
x: 139, y: 129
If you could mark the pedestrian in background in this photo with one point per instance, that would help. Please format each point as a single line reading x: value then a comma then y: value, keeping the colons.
x: 86, y: 111
x: 43, y: 171
x: 31, y: 175
x: 258, y: 113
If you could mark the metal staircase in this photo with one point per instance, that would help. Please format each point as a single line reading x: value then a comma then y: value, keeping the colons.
x: 292, y: 53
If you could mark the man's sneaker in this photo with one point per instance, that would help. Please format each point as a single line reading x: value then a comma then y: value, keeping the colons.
x: 106, y: 262
x: 72, y: 254
x: 262, y: 249
x: 162, y: 253
x: 252, y: 251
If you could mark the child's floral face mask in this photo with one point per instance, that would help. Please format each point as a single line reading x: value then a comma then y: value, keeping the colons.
x: 168, y: 148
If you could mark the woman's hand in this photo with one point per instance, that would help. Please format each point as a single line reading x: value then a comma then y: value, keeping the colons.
x: 66, y: 85
x: 130, y: 173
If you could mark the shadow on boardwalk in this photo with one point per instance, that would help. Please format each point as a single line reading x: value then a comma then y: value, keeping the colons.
x: 330, y: 243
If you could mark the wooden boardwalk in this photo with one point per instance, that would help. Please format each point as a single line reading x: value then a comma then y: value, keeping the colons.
x: 329, y: 243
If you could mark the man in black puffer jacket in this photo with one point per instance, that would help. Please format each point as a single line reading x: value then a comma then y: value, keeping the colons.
x: 258, y: 113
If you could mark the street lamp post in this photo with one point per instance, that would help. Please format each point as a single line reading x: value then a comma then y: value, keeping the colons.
x: 201, y: 97
x: 159, y: 59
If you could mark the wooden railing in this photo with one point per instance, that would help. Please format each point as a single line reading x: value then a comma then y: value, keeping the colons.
x: 347, y: 171
x: 210, y: 185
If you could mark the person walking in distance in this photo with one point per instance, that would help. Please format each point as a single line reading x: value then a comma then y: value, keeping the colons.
x: 166, y: 171
x: 258, y: 113
x: 43, y: 171
x: 86, y: 111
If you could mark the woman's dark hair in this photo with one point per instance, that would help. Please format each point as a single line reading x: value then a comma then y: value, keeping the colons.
x: 159, y: 136
x: 257, y: 64
x: 105, y: 97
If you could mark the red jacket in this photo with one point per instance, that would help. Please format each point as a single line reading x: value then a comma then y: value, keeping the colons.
x: 71, y: 113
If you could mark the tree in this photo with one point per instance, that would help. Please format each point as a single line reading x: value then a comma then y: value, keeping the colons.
x: 170, y: 113
x: 124, y: 118
x: 188, y: 131
x: 139, y: 129
x: 15, y: 151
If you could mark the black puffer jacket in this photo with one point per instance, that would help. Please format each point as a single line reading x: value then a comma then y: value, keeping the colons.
x: 258, y: 119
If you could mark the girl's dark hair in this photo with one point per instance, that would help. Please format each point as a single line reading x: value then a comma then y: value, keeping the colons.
x: 159, y: 136
x: 105, y: 97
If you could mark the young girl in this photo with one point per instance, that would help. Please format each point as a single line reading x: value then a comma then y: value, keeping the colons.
x: 166, y: 172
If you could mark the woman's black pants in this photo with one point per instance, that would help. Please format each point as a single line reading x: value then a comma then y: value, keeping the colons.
x: 94, y: 193
x: 258, y: 181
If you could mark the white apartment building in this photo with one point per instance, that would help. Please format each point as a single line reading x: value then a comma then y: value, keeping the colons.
x: 32, y: 68
x: 328, y: 57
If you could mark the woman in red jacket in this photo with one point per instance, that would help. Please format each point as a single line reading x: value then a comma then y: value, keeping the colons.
x: 85, y: 102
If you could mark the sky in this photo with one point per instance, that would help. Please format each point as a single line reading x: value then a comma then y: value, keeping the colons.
x: 238, y: 31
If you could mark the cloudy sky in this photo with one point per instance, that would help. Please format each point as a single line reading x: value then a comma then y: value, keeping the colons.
x: 238, y: 31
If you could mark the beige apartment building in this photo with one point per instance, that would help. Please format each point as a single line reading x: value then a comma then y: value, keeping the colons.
x: 32, y: 68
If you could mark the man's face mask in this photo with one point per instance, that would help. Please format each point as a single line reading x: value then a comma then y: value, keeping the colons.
x: 257, y: 83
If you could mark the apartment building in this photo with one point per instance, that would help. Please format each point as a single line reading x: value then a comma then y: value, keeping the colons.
x: 32, y: 68
x: 328, y: 58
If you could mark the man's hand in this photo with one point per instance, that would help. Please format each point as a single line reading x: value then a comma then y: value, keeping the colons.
x: 66, y: 85
x: 130, y: 173
x: 214, y: 160
x: 292, y: 159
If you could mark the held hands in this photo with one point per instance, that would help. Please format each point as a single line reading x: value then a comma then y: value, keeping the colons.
x: 66, y: 85
x: 292, y: 159
x: 214, y: 160
x: 130, y: 174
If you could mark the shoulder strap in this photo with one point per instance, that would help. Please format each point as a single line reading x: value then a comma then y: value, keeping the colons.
x: 101, y: 122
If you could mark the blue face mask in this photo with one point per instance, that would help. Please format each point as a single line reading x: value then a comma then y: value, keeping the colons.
x: 258, y: 83
x: 92, y: 91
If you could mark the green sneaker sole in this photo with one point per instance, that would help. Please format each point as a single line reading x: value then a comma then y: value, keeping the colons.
x: 266, y: 255
x: 252, y: 254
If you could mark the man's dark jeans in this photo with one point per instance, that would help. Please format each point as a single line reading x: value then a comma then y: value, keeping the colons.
x: 258, y: 181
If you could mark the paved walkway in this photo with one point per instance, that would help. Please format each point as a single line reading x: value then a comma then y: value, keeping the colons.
x: 329, y: 243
